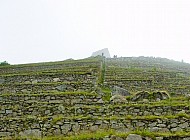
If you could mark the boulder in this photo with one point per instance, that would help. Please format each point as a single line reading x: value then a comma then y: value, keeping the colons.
x: 161, y: 95
x: 120, y: 91
x: 61, y: 87
x: 140, y: 96
x: 118, y: 99
x: 56, y: 80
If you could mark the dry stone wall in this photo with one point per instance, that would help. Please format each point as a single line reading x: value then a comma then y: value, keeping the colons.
x: 69, y: 126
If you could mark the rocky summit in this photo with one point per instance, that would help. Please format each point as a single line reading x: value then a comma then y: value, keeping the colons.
x: 97, y: 98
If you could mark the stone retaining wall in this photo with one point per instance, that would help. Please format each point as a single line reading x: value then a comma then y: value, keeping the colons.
x: 68, y: 126
x: 45, y: 78
x: 41, y: 87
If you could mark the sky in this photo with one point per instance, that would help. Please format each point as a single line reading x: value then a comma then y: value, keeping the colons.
x: 54, y: 30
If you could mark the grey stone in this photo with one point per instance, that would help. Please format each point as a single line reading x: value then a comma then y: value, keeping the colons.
x: 56, y: 80
x: 25, y: 91
x: 184, y: 125
x: 118, y: 99
x: 5, y: 134
x: 34, y: 133
x: 8, y: 111
x: 27, y: 82
x: 61, y: 108
x: 66, y: 128
x: 2, y: 80
x: 159, y: 138
x: 47, y: 112
x: 47, y: 80
x: 160, y: 95
x: 173, y: 125
x: 55, y: 101
x: 140, y: 96
x: 181, y: 112
x: 188, y: 138
x: 120, y: 91
x: 152, y: 124
x: 34, y: 81
x: 115, y: 138
x: 145, y: 100
x: 61, y: 87
x: 100, y: 101
x: 133, y: 137
x: 139, y: 124
x: 161, y: 125
x: 106, y: 138
x: 93, y: 128
x: 147, y: 138
x: 177, y: 129
x: 154, y: 129
x: 164, y: 130
x: 76, y: 127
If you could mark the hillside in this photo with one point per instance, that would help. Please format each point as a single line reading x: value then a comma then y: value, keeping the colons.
x: 75, y: 99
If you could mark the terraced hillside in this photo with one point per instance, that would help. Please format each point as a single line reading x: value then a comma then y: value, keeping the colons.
x: 72, y: 100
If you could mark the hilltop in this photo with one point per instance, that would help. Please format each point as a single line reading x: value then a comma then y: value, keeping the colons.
x: 96, y: 98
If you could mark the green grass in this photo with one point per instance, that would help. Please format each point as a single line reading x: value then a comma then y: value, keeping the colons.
x: 49, y: 93
x: 107, y: 93
x: 103, y: 133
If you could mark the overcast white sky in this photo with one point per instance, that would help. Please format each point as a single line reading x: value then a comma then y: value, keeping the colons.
x: 51, y: 30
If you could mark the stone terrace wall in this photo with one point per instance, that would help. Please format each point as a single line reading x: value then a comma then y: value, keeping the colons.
x: 49, y: 78
x: 40, y: 88
x: 55, y: 126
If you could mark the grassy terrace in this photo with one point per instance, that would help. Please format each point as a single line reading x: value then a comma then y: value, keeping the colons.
x: 50, y: 93
x: 60, y: 117
x: 41, y: 84
x: 133, y: 74
x: 104, y: 133
x: 173, y: 102
x: 71, y: 64
x: 80, y: 70
x: 88, y: 60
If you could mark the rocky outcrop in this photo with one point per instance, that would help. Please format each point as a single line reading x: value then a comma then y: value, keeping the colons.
x: 160, y: 95
x: 140, y: 96
x: 146, y: 96
x: 118, y: 99
x: 120, y: 91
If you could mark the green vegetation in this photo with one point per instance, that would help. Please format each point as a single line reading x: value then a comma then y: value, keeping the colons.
x: 4, y: 63
x: 133, y: 74
x: 107, y: 93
